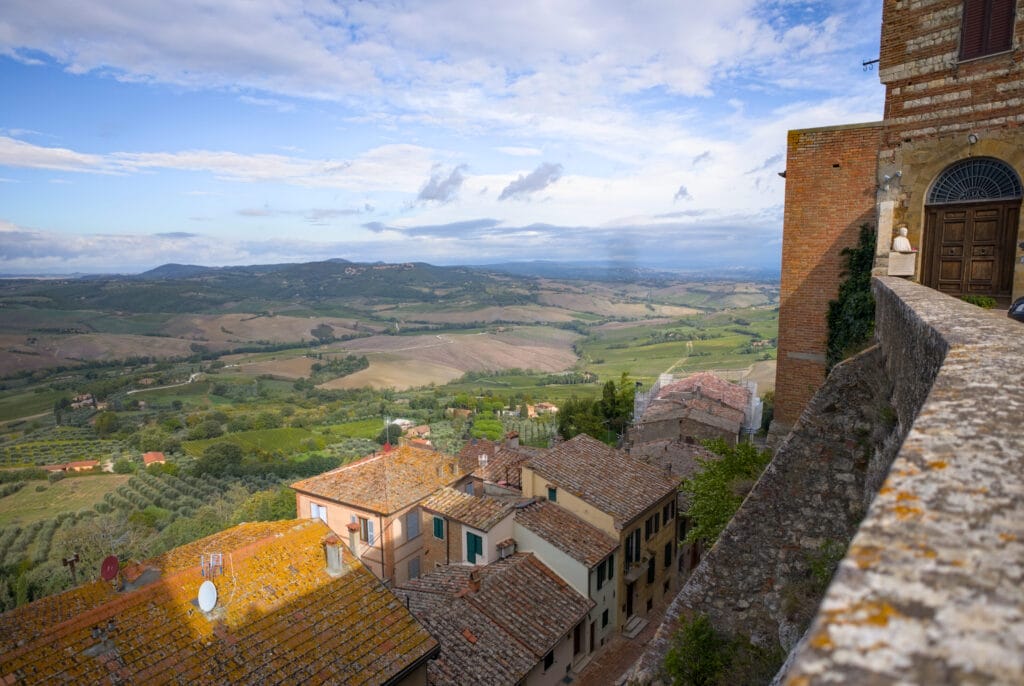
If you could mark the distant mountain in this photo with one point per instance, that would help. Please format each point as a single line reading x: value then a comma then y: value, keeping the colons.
x: 175, y: 271
x: 629, y: 272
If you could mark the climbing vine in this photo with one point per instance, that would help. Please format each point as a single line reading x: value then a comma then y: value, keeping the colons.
x: 851, y: 317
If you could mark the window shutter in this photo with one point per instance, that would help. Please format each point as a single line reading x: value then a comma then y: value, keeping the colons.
x: 1000, y: 36
x: 369, y: 530
x: 986, y: 27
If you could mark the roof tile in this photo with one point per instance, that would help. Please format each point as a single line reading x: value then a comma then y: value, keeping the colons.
x: 567, y: 532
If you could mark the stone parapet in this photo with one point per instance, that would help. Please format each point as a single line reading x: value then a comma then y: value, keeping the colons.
x: 931, y: 589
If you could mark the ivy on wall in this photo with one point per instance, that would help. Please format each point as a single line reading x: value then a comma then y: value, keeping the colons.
x: 851, y: 317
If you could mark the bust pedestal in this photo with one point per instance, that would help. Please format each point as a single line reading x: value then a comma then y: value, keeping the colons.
x: 902, y: 263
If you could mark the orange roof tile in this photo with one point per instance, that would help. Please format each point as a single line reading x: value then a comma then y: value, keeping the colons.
x: 567, y: 532
x: 711, y: 386
x: 479, y: 512
x: 280, y: 619
x: 385, y: 482
x: 153, y: 458
x: 608, y: 479
x: 504, y: 464
x: 521, y: 610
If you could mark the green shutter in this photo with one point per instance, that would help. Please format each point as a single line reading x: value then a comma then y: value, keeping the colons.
x: 438, y: 528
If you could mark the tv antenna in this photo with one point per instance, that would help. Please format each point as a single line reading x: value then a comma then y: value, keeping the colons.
x: 71, y: 562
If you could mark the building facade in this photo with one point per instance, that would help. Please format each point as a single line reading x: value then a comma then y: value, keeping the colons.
x: 945, y: 162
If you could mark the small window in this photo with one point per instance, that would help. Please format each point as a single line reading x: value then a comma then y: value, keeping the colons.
x: 364, y: 530
x: 317, y: 511
x: 648, y: 527
x: 552, y: 494
x: 657, y: 522
x: 600, y: 575
x: 549, y: 660
x: 604, y: 619
x: 438, y: 528
x: 611, y: 566
x: 986, y: 27
x: 469, y: 488
x: 412, y: 524
x: 650, y: 570
x: 668, y: 554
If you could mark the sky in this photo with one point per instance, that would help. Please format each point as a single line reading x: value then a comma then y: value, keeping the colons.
x: 226, y: 132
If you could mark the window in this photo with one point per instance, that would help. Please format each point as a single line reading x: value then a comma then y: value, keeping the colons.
x: 604, y: 619
x: 438, y: 528
x: 365, y: 530
x: 577, y: 639
x: 412, y: 524
x: 414, y: 568
x: 986, y: 27
x: 666, y: 513
x: 600, y: 575
x: 317, y: 511
x: 474, y: 546
x: 650, y: 570
x: 611, y: 566
x: 469, y: 488
x: 549, y: 660
x: 633, y: 547
x: 648, y: 527
x: 668, y: 553
x: 552, y: 494
x: 657, y: 522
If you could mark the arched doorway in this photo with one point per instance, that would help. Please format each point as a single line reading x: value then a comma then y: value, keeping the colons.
x: 971, y: 220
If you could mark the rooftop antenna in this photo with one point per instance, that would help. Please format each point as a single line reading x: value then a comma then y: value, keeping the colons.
x: 71, y: 562
x: 868, y: 65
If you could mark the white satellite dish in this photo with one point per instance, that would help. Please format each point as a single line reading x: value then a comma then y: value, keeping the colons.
x: 207, y: 596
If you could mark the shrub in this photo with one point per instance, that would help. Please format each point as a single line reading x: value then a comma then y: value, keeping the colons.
x: 983, y: 301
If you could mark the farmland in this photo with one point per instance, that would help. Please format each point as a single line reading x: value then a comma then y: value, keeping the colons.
x: 273, y: 375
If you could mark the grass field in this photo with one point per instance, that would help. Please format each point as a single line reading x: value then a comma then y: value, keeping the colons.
x: 27, y: 403
x: 288, y: 440
x: 365, y: 428
x: 74, y: 493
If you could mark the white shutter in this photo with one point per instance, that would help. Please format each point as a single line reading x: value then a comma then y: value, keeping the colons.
x: 369, y: 530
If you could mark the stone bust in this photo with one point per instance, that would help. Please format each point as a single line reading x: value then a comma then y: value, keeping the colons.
x: 901, y: 243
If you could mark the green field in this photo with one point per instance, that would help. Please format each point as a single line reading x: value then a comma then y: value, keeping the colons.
x: 289, y: 440
x: 68, y: 495
x: 26, y: 403
x: 365, y: 428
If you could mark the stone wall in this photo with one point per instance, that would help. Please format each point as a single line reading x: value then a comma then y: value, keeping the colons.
x: 930, y: 590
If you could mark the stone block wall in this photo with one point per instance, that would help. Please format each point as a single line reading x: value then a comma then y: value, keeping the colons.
x: 830, y: 192
x: 931, y: 590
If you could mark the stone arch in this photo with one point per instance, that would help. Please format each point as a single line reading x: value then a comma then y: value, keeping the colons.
x: 972, y: 213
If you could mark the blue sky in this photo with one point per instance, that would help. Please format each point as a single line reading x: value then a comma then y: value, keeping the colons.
x: 237, y: 132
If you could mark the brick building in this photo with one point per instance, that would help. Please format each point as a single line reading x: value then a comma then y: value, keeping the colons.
x: 946, y: 162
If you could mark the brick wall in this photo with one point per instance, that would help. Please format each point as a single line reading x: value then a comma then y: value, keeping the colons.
x: 830, y: 192
x: 929, y: 91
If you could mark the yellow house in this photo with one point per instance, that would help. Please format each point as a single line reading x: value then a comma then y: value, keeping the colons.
x: 633, y: 502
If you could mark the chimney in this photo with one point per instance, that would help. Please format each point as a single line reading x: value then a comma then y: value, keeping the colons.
x: 482, y: 460
x: 512, y: 439
x: 474, y: 581
x: 334, y: 554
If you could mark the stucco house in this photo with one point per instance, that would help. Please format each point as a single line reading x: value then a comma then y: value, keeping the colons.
x: 373, y: 504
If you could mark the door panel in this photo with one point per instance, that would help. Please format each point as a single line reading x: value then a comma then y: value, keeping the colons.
x: 970, y: 249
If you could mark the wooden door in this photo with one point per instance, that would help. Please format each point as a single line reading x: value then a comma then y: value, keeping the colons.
x: 969, y: 249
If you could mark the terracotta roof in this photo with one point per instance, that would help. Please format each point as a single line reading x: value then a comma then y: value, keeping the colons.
x: 385, y: 482
x: 608, y: 479
x: 679, y: 458
x: 82, y: 464
x: 497, y: 633
x: 280, y: 619
x: 479, y: 512
x: 153, y: 458
x: 567, y: 532
x: 711, y: 386
x: 504, y: 464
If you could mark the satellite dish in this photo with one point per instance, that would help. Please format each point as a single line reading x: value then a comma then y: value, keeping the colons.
x: 109, y: 568
x: 207, y: 596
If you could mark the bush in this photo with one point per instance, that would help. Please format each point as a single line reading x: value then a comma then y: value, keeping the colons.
x: 983, y: 301
x: 124, y: 466
x: 701, y: 656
